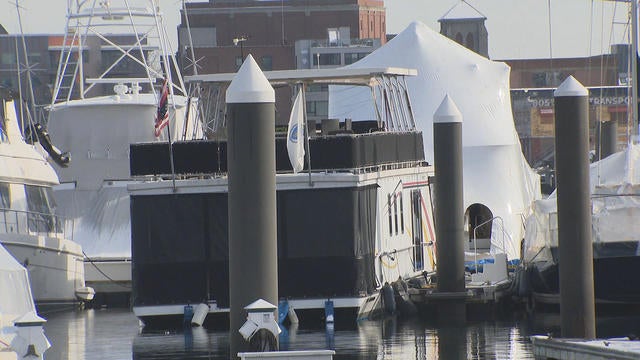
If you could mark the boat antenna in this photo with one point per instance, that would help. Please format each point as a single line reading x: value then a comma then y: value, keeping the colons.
x: 282, y: 20
x: 193, y: 55
x: 19, y: 85
x: 550, y: 35
x: 28, y: 70
x: 634, y: 65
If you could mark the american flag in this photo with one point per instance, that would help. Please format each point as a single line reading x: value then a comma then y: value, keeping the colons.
x: 162, y: 117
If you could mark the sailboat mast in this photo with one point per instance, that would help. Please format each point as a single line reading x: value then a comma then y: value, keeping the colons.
x: 634, y: 67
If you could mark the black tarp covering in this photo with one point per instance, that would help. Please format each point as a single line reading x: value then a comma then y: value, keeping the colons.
x: 179, y: 248
x: 343, y: 151
x: 325, y: 245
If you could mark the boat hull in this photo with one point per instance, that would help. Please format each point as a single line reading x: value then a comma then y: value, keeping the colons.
x: 55, y: 266
x: 612, y: 282
x: 311, y: 313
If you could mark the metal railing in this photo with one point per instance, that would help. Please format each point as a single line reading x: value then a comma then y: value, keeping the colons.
x: 35, y: 223
x: 475, y: 239
x: 393, y: 255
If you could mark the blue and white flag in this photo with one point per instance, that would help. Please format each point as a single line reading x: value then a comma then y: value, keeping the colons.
x: 295, y: 134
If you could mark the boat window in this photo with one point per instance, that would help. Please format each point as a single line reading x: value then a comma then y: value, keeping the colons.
x: 401, y: 213
x: 41, y: 207
x: 416, y: 230
x: 5, y: 200
x: 470, y: 43
x: 3, y: 129
x: 395, y: 211
x: 389, y: 212
x: 459, y: 38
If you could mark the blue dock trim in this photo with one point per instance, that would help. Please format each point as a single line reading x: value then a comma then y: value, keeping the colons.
x: 283, y: 310
x: 328, y: 311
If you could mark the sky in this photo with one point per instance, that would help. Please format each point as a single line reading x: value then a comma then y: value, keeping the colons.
x: 518, y: 29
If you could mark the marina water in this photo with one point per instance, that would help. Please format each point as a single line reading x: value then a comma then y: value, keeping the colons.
x: 116, y: 334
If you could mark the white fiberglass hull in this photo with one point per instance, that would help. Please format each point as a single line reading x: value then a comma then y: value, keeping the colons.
x: 55, y: 266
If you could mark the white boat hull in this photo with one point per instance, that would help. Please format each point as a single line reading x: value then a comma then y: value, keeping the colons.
x: 108, y: 275
x: 55, y: 266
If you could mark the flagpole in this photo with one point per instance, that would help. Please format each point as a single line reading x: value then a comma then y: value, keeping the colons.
x: 173, y: 171
x: 306, y: 130
x: 169, y: 86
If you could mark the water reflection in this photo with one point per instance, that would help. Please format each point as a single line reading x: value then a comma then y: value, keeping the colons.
x: 116, y: 334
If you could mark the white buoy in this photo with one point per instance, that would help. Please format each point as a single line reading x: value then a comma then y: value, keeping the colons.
x: 200, y: 314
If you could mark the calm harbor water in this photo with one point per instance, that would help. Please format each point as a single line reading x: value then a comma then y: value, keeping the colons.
x: 116, y: 334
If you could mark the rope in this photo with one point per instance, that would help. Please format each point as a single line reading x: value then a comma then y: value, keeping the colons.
x: 102, y: 272
x: 389, y: 266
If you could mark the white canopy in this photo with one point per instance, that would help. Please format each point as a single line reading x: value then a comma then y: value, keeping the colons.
x: 615, y: 201
x: 15, y: 298
x: 496, y: 173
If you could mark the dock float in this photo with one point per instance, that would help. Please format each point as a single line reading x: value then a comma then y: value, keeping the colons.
x: 289, y: 355
x: 545, y: 347
x: 482, y: 293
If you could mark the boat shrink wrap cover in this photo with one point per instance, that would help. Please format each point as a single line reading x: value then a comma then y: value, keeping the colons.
x: 496, y: 173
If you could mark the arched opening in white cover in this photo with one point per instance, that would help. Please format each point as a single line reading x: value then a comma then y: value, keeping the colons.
x: 478, y: 220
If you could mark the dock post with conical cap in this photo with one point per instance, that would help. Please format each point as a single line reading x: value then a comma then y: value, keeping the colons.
x: 253, y: 257
x: 577, y: 304
x: 449, y: 210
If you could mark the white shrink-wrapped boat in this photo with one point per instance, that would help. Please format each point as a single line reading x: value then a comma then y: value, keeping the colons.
x: 136, y: 63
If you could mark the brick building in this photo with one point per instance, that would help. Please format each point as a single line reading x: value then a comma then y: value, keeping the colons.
x: 533, y: 81
x: 280, y: 35
x: 223, y: 29
x: 43, y: 56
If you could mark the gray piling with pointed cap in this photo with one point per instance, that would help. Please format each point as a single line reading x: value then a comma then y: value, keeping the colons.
x: 253, y: 257
x: 449, y: 210
x: 577, y: 307
x: 606, y: 138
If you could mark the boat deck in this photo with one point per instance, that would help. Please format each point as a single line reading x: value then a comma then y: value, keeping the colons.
x: 599, y: 349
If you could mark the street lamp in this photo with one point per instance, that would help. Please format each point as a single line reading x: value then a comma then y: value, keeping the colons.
x: 240, y: 39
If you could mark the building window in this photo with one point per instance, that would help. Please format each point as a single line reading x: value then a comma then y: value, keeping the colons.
x: 317, y: 88
x: 317, y: 108
x: 547, y: 79
x: 350, y: 58
x: 125, y: 66
x: 326, y: 59
x: 266, y: 63
x: 34, y: 58
x: 54, y: 57
x: 8, y: 58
